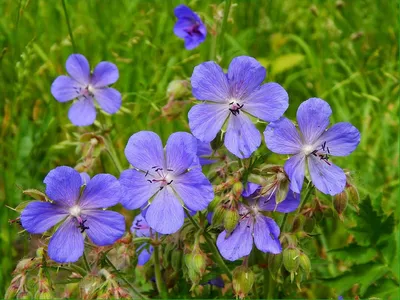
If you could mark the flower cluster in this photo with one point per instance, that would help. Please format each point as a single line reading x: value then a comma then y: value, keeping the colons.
x: 167, y: 183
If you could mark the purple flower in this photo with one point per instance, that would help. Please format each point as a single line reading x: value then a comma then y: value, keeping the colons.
x: 87, y: 87
x: 77, y: 212
x: 234, y: 96
x: 313, y: 146
x: 162, y: 181
x: 140, y: 228
x: 189, y: 27
x: 254, y: 226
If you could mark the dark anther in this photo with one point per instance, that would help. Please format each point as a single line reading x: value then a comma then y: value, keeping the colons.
x: 248, y: 226
x: 138, y: 222
x: 314, y: 152
x: 82, y: 226
x: 231, y: 103
x: 154, y: 167
x: 149, y: 181
x: 158, y: 169
x: 170, y: 182
x: 327, y: 148
x: 147, y: 173
x: 170, y: 170
x: 161, y: 187
x: 323, y: 146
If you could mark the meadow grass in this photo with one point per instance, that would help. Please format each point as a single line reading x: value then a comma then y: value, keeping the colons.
x: 345, y: 52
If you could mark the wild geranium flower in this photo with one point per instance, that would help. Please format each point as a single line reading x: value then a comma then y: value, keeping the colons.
x: 87, y: 87
x: 313, y: 146
x: 163, y: 181
x: 77, y: 212
x: 233, y: 97
x: 254, y: 226
x: 189, y: 27
x: 140, y: 228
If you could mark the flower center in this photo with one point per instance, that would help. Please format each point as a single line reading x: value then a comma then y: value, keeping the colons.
x: 235, y: 106
x: 75, y: 211
x: 160, y: 176
x: 322, y: 152
x: 193, y: 29
x: 85, y: 91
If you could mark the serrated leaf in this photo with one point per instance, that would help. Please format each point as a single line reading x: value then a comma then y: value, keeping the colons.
x: 364, y: 275
x: 369, y: 226
x: 355, y: 254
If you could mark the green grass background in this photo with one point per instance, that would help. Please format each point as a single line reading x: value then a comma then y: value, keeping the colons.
x: 345, y: 52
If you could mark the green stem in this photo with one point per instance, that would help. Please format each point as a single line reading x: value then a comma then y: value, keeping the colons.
x: 217, y: 256
x: 159, y: 280
x: 135, y: 291
x: 283, y: 222
x: 223, y: 26
x: 307, y: 196
x: 86, y: 263
x: 69, y: 26
x: 271, y: 287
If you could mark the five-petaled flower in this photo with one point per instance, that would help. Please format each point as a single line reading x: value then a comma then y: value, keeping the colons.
x: 140, y: 228
x: 189, y: 27
x: 253, y: 225
x: 233, y: 96
x: 163, y: 181
x: 313, y: 145
x: 87, y: 87
x: 78, y: 212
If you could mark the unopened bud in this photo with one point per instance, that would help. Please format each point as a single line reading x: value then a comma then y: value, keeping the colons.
x: 243, y: 280
x: 291, y: 259
x: 231, y: 219
x: 219, y: 215
x: 196, y: 262
x: 213, y: 204
x: 340, y: 203
x: 305, y: 263
x: 353, y: 196
x: 237, y: 189
x: 177, y: 89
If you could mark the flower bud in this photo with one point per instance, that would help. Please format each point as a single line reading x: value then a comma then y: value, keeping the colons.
x: 237, y: 189
x: 219, y: 215
x: 177, y: 89
x: 283, y: 188
x: 213, y: 204
x: 353, y: 196
x: 340, y: 203
x: 243, y: 280
x: 291, y: 259
x: 305, y: 263
x: 196, y: 262
x: 231, y: 219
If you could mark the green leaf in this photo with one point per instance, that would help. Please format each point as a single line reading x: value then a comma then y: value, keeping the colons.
x: 370, y: 226
x: 364, y: 275
x: 384, y: 288
x: 355, y: 254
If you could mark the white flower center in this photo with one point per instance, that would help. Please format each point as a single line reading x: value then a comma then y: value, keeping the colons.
x: 75, y: 211
x: 307, y: 149
x: 160, y: 176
